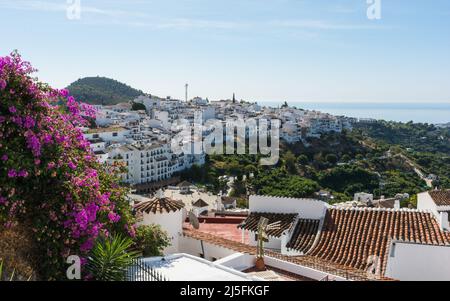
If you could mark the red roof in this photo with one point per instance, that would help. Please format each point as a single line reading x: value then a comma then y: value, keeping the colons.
x: 286, y: 222
x: 440, y: 197
x: 309, y: 261
x: 304, y: 235
x: 159, y: 205
x: 227, y: 231
x: 350, y: 236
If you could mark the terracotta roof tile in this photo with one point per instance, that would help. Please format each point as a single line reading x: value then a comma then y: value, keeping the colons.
x: 440, y: 197
x: 304, y: 235
x: 286, y: 222
x: 200, y: 203
x: 350, y: 236
x: 184, y: 184
x: 226, y: 200
x: 308, y: 261
x: 159, y: 205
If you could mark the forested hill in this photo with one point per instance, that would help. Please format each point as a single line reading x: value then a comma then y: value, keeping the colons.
x: 102, y: 90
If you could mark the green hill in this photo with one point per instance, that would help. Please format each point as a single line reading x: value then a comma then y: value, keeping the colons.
x: 102, y: 90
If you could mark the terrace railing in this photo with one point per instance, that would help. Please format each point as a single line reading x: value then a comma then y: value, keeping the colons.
x: 139, y: 271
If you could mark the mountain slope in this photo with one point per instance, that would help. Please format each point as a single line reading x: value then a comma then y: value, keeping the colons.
x: 102, y: 90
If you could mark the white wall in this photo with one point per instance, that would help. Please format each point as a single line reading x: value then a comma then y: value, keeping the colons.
x: 300, y: 270
x: 99, y: 146
x: 199, y: 210
x: 414, y: 262
x: 109, y: 136
x: 238, y: 261
x: 306, y: 208
x: 192, y: 246
x: 171, y: 222
x: 208, y: 113
x: 273, y: 243
x: 425, y: 202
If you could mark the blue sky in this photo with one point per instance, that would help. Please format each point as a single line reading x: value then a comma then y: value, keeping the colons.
x: 310, y: 50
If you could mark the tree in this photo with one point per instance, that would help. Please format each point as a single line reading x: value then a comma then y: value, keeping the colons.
x: 151, y: 240
x: 238, y: 188
x: 346, y: 158
x: 290, y: 162
x: 359, y: 157
x: 50, y: 179
x: 303, y: 159
x: 277, y: 182
x: 250, y: 169
x: 102, y: 91
x: 138, y: 106
x: 348, y: 179
x: 331, y: 158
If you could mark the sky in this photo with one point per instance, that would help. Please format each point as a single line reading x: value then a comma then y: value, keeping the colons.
x: 262, y: 50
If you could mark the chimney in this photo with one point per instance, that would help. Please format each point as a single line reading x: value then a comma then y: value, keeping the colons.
x: 397, y: 204
x: 443, y: 220
x: 160, y: 194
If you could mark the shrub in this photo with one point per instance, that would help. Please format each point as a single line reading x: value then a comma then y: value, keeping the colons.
x: 138, y: 106
x: 50, y: 179
x: 151, y: 240
x: 110, y: 258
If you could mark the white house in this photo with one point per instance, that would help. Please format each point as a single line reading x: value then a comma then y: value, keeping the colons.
x: 437, y: 202
x: 165, y: 212
x: 363, y: 197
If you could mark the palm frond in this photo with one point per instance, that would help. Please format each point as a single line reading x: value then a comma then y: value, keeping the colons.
x: 110, y: 258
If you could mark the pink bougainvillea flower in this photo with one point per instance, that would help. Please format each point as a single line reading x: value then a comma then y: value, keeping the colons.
x: 72, y: 165
x: 42, y: 126
x: 12, y: 173
x: 22, y: 173
x: 64, y: 93
x: 113, y: 217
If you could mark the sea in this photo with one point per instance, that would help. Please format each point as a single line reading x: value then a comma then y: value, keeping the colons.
x: 432, y: 113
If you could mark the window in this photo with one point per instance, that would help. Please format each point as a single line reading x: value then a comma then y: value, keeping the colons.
x: 115, y: 134
x: 95, y: 136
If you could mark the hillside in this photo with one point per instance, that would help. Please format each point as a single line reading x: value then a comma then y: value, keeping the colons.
x: 102, y: 90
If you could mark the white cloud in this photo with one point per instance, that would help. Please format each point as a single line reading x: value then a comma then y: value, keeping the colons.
x: 61, y: 6
x: 321, y: 25
x: 141, y: 19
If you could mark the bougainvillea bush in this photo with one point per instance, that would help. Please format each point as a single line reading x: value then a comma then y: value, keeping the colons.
x: 50, y: 180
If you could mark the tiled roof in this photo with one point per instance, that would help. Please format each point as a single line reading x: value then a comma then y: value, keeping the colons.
x: 350, y: 236
x: 184, y: 184
x: 286, y: 222
x: 159, y: 205
x: 200, y: 203
x: 388, y: 203
x: 440, y: 197
x: 304, y: 235
x: 226, y: 200
x: 308, y: 261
